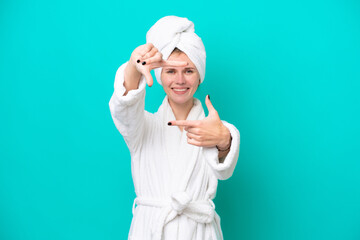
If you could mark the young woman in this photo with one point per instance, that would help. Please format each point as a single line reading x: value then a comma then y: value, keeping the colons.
x: 177, y: 154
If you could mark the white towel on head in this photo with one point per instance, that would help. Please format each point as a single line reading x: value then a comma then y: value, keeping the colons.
x: 172, y: 32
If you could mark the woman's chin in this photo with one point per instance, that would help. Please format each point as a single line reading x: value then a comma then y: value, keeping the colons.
x: 180, y: 100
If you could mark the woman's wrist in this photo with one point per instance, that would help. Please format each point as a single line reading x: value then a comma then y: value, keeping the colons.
x: 227, y: 148
x: 225, y: 144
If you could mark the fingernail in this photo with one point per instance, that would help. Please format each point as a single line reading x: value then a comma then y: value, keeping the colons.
x: 138, y: 61
x: 143, y: 63
x: 169, y: 123
x: 209, y: 96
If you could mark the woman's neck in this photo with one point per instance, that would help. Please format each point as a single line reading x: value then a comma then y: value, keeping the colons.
x: 181, y: 111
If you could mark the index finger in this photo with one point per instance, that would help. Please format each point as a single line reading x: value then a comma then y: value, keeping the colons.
x: 183, y: 123
x: 165, y: 63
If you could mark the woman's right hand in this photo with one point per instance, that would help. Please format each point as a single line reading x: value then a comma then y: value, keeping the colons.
x: 146, y: 58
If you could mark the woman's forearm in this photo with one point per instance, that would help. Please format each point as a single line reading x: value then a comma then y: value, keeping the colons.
x: 131, y: 78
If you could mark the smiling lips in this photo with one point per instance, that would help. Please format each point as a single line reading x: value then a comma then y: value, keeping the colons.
x: 180, y: 90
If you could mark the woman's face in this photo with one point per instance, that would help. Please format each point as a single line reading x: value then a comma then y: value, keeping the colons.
x: 180, y: 83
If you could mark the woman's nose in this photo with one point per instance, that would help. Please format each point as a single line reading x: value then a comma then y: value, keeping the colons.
x: 180, y: 78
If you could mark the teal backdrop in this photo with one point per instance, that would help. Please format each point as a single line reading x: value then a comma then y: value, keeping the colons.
x: 285, y: 73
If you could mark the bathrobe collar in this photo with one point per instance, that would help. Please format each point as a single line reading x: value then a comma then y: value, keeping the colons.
x: 181, y: 155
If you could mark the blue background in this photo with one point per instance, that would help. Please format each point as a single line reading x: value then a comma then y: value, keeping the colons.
x: 286, y: 73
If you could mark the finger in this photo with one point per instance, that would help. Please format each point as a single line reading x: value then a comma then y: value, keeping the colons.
x: 165, y: 63
x: 194, y: 142
x: 174, y: 63
x: 156, y: 58
x: 136, y: 57
x: 149, y: 54
x: 148, y: 77
x: 193, y: 130
x: 209, y: 105
x: 194, y: 136
x: 145, y: 48
x: 190, y: 123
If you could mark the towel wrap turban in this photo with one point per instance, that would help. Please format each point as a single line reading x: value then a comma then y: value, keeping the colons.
x: 172, y: 32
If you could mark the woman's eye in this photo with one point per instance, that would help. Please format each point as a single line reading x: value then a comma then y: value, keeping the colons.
x: 170, y: 71
x: 189, y: 71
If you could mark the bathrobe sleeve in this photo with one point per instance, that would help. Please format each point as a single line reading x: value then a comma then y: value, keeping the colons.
x: 128, y: 111
x: 225, y: 169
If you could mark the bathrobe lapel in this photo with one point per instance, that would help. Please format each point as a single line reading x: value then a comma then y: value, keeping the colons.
x: 181, y: 155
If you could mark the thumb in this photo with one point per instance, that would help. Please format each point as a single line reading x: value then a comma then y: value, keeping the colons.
x: 209, y: 106
x: 149, y: 79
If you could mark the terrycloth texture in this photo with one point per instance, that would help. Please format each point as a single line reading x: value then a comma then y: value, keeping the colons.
x: 174, y: 181
x: 170, y: 32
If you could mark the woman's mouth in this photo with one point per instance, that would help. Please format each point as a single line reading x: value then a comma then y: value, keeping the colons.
x: 180, y: 90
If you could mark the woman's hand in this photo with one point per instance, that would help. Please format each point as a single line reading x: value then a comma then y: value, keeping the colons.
x: 144, y: 59
x: 209, y: 132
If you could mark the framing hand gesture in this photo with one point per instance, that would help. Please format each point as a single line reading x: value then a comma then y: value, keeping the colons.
x: 147, y: 57
x: 209, y: 132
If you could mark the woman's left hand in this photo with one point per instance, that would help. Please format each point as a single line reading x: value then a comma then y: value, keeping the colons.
x: 209, y: 132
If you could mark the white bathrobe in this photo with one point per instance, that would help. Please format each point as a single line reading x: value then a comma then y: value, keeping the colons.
x: 175, y: 182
